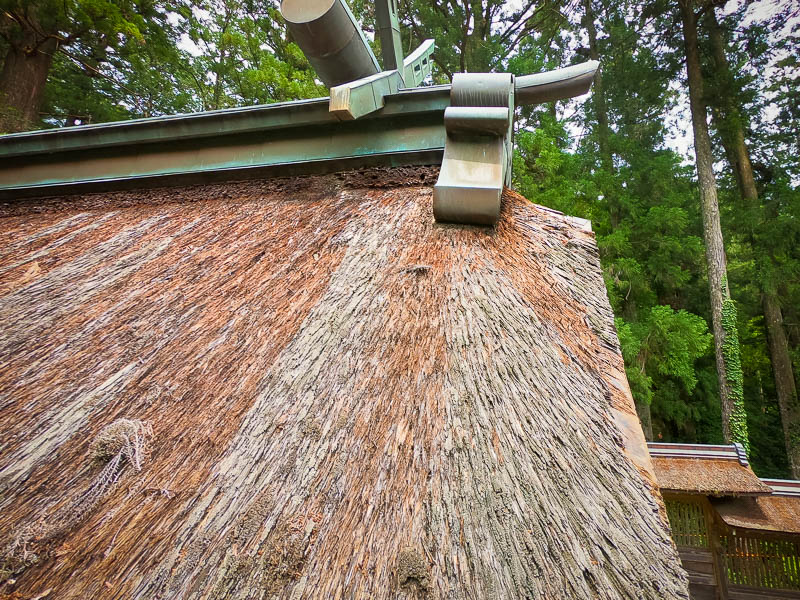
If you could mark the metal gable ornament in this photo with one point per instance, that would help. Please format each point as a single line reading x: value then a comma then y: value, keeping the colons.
x: 332, y: 40
x: 479, y: 122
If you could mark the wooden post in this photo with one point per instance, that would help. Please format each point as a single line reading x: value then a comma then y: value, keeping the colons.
x: 715, y: 530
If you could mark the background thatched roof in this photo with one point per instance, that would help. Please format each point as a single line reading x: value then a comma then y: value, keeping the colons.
x: 710, y: 477
x: 346, y: 400
x: 766, y: 513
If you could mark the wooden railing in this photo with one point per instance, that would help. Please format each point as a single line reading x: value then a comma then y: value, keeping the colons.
x: 758, y: 561
x: 688, y: 522
x: 745, y: 561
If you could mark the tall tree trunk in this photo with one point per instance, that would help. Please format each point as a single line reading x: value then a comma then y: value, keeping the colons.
x: 601, y: 112
x: 598, y: 97
x: 23, y: 78
x: 731, y: 128
x: 723, y: 309
x: 784, y: 380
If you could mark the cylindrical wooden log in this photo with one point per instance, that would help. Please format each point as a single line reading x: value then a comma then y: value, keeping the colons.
x: 331, y: 39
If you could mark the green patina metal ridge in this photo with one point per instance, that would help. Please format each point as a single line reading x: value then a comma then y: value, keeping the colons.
x: 279, y: 139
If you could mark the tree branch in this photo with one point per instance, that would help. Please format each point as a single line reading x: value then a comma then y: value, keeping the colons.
x: 519, y: 21
x: 97, y: 72
x: 421, y: 37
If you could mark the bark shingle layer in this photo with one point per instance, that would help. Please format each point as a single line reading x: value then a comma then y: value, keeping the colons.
x: 347, y: 400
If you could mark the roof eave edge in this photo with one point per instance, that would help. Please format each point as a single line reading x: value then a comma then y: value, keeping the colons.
x: 283, y: 139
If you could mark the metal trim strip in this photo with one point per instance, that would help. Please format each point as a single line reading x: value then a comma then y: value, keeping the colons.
x: 273, y: 140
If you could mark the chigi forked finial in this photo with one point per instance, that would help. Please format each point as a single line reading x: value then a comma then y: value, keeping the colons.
x: 479, y: 121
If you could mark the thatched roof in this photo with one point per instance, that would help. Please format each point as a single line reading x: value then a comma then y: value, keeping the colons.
x: 765, y: 513
x: 311, y: 390
x: 708, y: 477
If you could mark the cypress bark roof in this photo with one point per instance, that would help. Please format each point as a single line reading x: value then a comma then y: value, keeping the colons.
x: 765, y: 513
x: 346, y: 400
x: 705, y: 469
x: 708, y: 476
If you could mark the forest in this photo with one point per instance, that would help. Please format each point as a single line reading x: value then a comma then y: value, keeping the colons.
x: 685, y: 157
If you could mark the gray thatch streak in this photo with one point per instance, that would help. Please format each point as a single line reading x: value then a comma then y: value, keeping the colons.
x: 548, y: 519
x: 35, y: 308
x: 26, y: 240
x: 347, y: 401
x: 59, y: 242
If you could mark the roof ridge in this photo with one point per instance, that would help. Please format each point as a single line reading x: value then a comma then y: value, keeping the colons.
x: 783, y: 487
x: 701, y: 451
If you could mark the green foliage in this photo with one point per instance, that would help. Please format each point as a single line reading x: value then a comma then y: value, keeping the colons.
x: 543, y: 171
x: 767, y: 450
x: 643, y: 204
x: 120, y: 59
x: 105, y: 50
x: 244, y: 55
x: 661, y: 349
x: 733, y: 374
x: 106, y: 22
x: 485, y: 36
x: 681, y: 338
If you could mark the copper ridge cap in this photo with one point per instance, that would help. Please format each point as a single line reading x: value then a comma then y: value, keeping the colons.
x: 248, y: 119
x: 784, y: 487
x: 204, y: 114
x: 703, y: 451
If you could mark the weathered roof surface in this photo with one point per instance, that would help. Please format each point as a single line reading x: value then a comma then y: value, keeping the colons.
x: 712, y: 477
x: 347, y: 400
x: 766, y: 513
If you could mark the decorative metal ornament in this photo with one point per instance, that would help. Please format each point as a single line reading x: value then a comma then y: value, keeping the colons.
x: 480, y: 126
x: 330, y: 37
x: 477, y: 153
x: 371, y: 117
x: 479, y: 121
